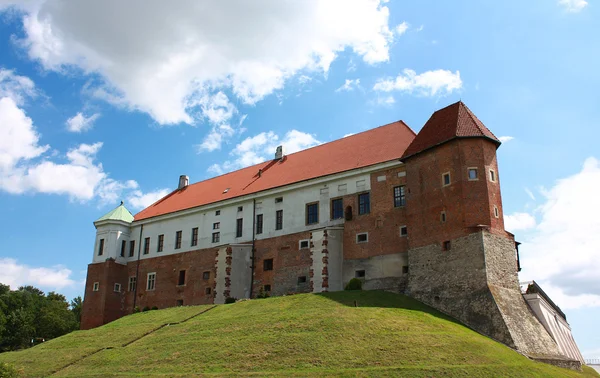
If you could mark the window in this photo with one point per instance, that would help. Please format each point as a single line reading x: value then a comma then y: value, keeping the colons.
x: 178, y: 240
x: 206, y: 275
x: 217, y: 213
x: 216, y: 237
x: 179, y: 302
x: 151, y: 282
x: 194, y: 236
x: 131, y: 248
x: 207, y: 291
x: 161, y: 242
x: 362, y: 238
x: 268, y: 264
x: 279, y: 219
x: 259, y: 224
x: 301, y: 280
x: 443, y: 216
x: 359, y: 274
x: 446, y: 245
x: 405, y: 269
x: 96, y: 286
x: 399, y: 196
x: 123, y: 247
x: 312, y: 213
x: 117, y: 288
x: 146, y: 246
x: 181, y: 280
x: 492, y: 175
x: 337, y: 208
x: 403, y: 231
x: 303, y: 244
x: 240, y: 208
x: 364, y: 204
x: 472, y: 174
x: 267, y: 288
x: 216, y: 225
x: 238, y: 227
x: 100, y: 247
x: 446, y: 179
x: 496, y: 212
x: 132, y: 282
x: 279, y: 200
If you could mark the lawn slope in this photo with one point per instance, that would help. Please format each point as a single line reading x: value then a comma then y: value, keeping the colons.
x: 300, y: 335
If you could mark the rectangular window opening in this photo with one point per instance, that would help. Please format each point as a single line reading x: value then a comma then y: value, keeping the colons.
x: 362, y: 238
x: 312, y: 213
x: 218, y: 212
x: 207, y: 291
x: 337, y: 208
x: 405, y: 269
x: 194, y: 236
x: 267, y: 288
x: 279, y: 220
x: 238, y: 227
x: 403, y: 231
x: 146, y: 246
x: 446, y: 179
x: 472, y: 174
x: 100, y: 247
x: 96, y: 286
x: 399, y: 196
x: 161, y: 242
x: 360, y: 274
x: 364, y: 203
x: 179, y: 302
x: 301, y: 279
x: 268, y: 264
x: 117, y: 288
x: 216, y: 237
x: 181, y: 280
x: 206, y: 275
x: 240, y: 208
x: 216, y: 225
x: 259, y: 224
x: 446, y: 246
x: 131, y: 248
x: 443, y: 216
x: 151, y: 281
x: 123, y: 247
x: 279, y: 200
x: 303, y: 244
x: 178, y: 239
x: 496, y: 212
x: 492, y: 175
x: 132, y: 282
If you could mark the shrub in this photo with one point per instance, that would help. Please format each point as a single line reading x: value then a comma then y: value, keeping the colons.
x: 136, y: 309
x: 262, y: 294
x: 146, y: 308
x: 354, y: 284
x: 229, y: 300
x: 9, y: 371
x: 154, y: 308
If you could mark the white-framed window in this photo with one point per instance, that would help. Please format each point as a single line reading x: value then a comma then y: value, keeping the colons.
x: 151, y: 281
x: 303, y: 244
x: 403, y: 231
x: 492, y: 175
x: 446, y: 179
x: 117, y: 288
x: 132, y: 282
x: 96, y: 286
x: 363, y: 237
x: 472, y: 174
x: 496, y: 212
x: 443, y: 217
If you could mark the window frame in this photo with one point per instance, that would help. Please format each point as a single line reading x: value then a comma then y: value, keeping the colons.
x: 194, y: 241
x: 365, y: 207
x: 239, y: 227
x: 179, y: 279
x: 148, y: 280
x: 115, y: 286
x: 400, y: 199
x: 496, y: 212
x: 100, y: 247
x: 405, y: 234
x: 268, y: 265
x: 366, y: 234
x: 259, y: 224
x: 311, y: 210
x: 302, y: 280
x: 278, y: 199
x: 207, y: 291
x: 279, y: 220
x: 217, y: 226
x: 131, y: 284
x: 216, y: 237
x: 444, y: 175
x: 96, y: 286
x: 443, y: 217
x: 161, y: 243
x: 146, y: 245
x: 131, y: 248
x: 492, y: 175
x: 123, y: 247
x: 178, y: 237
x: 469, y: 170
x: 267, y: 288
x: 339, y: 200
x: 361, y: 273
x: 307, y: 241
x: 205, y: 274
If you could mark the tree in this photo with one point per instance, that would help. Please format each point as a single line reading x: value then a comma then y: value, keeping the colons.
x: 76, y: 306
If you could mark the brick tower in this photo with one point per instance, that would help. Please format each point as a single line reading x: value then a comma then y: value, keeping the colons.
x: 461, y: 260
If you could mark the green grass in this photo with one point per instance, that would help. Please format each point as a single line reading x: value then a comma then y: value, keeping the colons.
x: 300, y: 335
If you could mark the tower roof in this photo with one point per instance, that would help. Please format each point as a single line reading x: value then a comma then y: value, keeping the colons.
x: 453, y: 121
x: 120, y: 213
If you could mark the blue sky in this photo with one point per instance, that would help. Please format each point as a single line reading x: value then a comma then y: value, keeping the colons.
x: 102, y: 102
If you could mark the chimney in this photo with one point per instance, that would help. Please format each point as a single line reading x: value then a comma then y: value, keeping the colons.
x: 279, y: 153
x: 183, y: 181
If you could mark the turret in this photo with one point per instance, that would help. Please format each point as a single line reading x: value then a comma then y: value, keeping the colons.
x: 113, y: 235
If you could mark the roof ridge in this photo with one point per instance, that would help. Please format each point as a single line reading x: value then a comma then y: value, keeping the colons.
x: 475, y: 121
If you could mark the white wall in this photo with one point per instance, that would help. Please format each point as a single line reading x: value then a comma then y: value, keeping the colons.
x: 113, y: 235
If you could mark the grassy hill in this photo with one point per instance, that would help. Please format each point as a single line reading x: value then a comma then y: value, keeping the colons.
x: 300, y: 335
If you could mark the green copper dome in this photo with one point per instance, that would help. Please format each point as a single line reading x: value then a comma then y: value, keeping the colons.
x: 120, y: 213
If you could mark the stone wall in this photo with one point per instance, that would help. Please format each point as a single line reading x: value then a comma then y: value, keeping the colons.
x: 385, y: 272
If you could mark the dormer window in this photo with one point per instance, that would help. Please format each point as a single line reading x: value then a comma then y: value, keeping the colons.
x: 226, y: 190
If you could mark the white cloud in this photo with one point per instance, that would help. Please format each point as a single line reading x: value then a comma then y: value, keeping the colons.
x: 145, y: 63
x: 139, y: 200
x: 349, y: 85
x: 79, y: 122
x: 215, y: 138
x: 505, y: 139
x: 52, y: 278
x: 530, y: 194
x: 261, y: 147
x: 351, y: 66
x: 429, y: 83
x: 519, y: 221
x: 15, y: 87
x: 573, y: 6
x: 402, y: 28
x: 385, y: 101
x: 420, y: 28
x: 561, y: 253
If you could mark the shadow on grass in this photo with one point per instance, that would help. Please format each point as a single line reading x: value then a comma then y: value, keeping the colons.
x: 383, y: 299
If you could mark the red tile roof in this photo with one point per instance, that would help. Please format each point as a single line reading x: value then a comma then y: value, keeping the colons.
x: 453, y: 121
x: 382, y: 144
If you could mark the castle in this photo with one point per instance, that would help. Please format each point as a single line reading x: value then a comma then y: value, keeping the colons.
x: 419, y: 214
